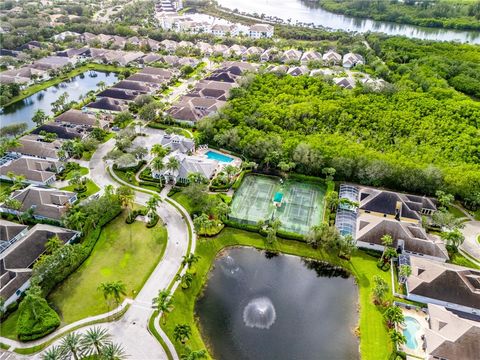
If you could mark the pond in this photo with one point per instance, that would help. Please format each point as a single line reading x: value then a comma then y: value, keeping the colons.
x: 309, y: 12
x: 261, y: 306
x: 77, y: 86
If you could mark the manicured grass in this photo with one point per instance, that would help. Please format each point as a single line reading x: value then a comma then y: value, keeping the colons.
x: 374, y: 340
x: 126, y: 253
x: 92, y: 188
x: 183, y: 200
x: 460, y: 259
x: 82, y: 170
x: 8, y: 327
x: 456, y: 212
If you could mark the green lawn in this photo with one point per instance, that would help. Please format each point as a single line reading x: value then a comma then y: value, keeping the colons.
x: 456, y: 212
x: 92, y: 188
x: 183, y: 200
x: 374, y: 344
x: 123, y: 252
x: 82, y: 170
x: 460, y: 259
x: 8, y: 327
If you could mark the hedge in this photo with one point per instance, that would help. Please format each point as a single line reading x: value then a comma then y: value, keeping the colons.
x: 133, y: 169
x: 153, y: 221
x: 239, y: 180
x: 36, y: 319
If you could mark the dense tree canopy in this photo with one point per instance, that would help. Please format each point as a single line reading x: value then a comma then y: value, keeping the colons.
x: 411, y: 140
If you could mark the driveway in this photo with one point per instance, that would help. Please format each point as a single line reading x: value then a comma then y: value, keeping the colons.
x: 471, y: 231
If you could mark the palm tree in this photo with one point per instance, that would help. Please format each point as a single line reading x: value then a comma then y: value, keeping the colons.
x: 388, y: 253
x: 17, y: 180
x: 163, y: 303
x: 185, y: 279
x: 201, y: 222
x: 393, y: 315
x: 230, y: 170
x: 194, y: 355
x: 157, y: 166
x: 387, y: 240
x: 196, y: 178
x: 158, y: 150
x: 94, y: 340
x: 126, y: 196
x: 379, y: 290
x: 404, y: 272
x: 53, y: 244
x: 172, y: 164
x: 113, y: 290
x: 101, y: 85
x: 190, y: 259
x: 152, y: 204
x: 71, y: 345
x: 182, y: 332
x: 112, y: 351
x: 53, y: 353
x: 397, y: 337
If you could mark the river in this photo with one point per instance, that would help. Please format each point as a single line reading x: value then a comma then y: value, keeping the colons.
x: 309, y: 12
x: 22, y: 111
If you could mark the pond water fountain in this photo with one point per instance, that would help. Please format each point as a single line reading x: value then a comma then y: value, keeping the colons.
x: 259, y: 313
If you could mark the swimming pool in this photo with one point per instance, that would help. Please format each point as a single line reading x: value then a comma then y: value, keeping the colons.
x: 219, y: 157
x: 412, y: 326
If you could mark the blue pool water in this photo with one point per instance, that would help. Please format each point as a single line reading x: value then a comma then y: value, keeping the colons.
x: 411, y: 328
x: 219, y: 157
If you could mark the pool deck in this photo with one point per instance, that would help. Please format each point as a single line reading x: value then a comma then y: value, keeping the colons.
x: 237, y: 162
x: 422, y: 319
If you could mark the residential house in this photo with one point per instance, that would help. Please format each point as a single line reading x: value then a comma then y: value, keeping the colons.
x: 108, y: 105
x: 433, y: 282
x: 31, y: 45
x: 291, y: 55
x: 258, y: 31
x: 169, y: 45
x: 62, y: 131
x: 278, y: 69
x: 10, y: 232
x: 451, y: 334
x: 80, y: 118
x: 87, y: 37
x: 237, y: 50
x: 345, y: 82
x: 310, y: 55
x: 188, y: 165
x: 36, y: 171
x: 149, y: 58
x: 220, y: 50
x: 178, y: 143
x: 185, y: 44
x: 42, y: 202
x: 271, y: 54
x: 150, y: 44
x: 351, y: 59
x: 65, y: 35
x: 224, y: 30
x: 74, y: 55
x: 408, y: 238
x: 51, y: 63
x: 147, y: 79
x: 393, y: 205
x: 119, y: 94
x: 298, y: 70
x: 204, y: 48
x: 133, y: 86
x: 332, y: 58
x: 33, y: 145
x: 17, y: 261
x: 252, y: 52
x: 23, y: 75
x: 134, y: 40
x: 158, y: 72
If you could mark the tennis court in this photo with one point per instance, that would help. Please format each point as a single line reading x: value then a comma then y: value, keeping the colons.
x: 301, y: 208
x: 253, y: 200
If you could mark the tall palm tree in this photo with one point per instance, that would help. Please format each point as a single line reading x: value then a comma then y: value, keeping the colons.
x: 126, y: 196
x: 158, y: 150
x: 172, y: 164
x: 182, y: 333
x: 71, y: 345
x: 393, y: 315
x: 152, y: 204
x: 185, y: 279
x: 230, y: 170
x: 397, y: 337
x: 112, y: 351
x: 53, y: 244
x: 94, y: 340
x: 17, y: 180
x: 117, y: 289
x: 379, y: 290
x: 157, y: 166
x: 163, y: 303
x: 190, y: 259
x: 54, y: 353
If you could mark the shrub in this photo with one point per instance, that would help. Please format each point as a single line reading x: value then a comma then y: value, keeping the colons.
x: 239, y: 180
x: 36, y: 319
x: 153, y: 221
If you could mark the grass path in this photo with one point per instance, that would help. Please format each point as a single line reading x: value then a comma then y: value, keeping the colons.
x: 123, y: 252
x: 374, y: 343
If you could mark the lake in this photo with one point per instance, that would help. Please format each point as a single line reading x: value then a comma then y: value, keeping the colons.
x: 260, y: 306
x: 310, y: 12
x: 77, y: 86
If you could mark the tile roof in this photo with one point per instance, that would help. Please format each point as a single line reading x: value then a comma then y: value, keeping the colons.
x: 36, y: 170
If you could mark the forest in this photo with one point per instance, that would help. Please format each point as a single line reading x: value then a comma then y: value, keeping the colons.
x: 410, y: 140
x: 458, y: 14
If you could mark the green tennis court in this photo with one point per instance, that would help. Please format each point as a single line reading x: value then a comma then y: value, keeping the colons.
x: 301, y: 203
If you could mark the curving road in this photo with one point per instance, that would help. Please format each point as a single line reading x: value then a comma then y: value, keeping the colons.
x: 131, y: 330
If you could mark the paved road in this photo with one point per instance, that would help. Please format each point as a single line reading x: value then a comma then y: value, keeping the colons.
x: 471, y: 231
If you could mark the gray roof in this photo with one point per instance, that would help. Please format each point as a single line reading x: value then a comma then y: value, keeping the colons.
x: 45, y: 202
x: 177, y: 143
x: 8, y: 230
x: 77, y: 117
x: 108, y: 104
x: 33, y: 146
x: 37, y: 170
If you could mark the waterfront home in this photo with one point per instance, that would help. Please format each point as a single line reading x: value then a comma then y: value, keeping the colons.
x: 41, y: 202
x: 433, y: 282
x: 108, y: 105
x: 451, y: 334
x: 133, y: 85
x: 36, y: 171
x: 75, y: 55
x: 51, y: 63
x: 17, y: 260
x: 75, y: 118
x: 23, y: 75
x: 158, y: 72
x: 119, y: 94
